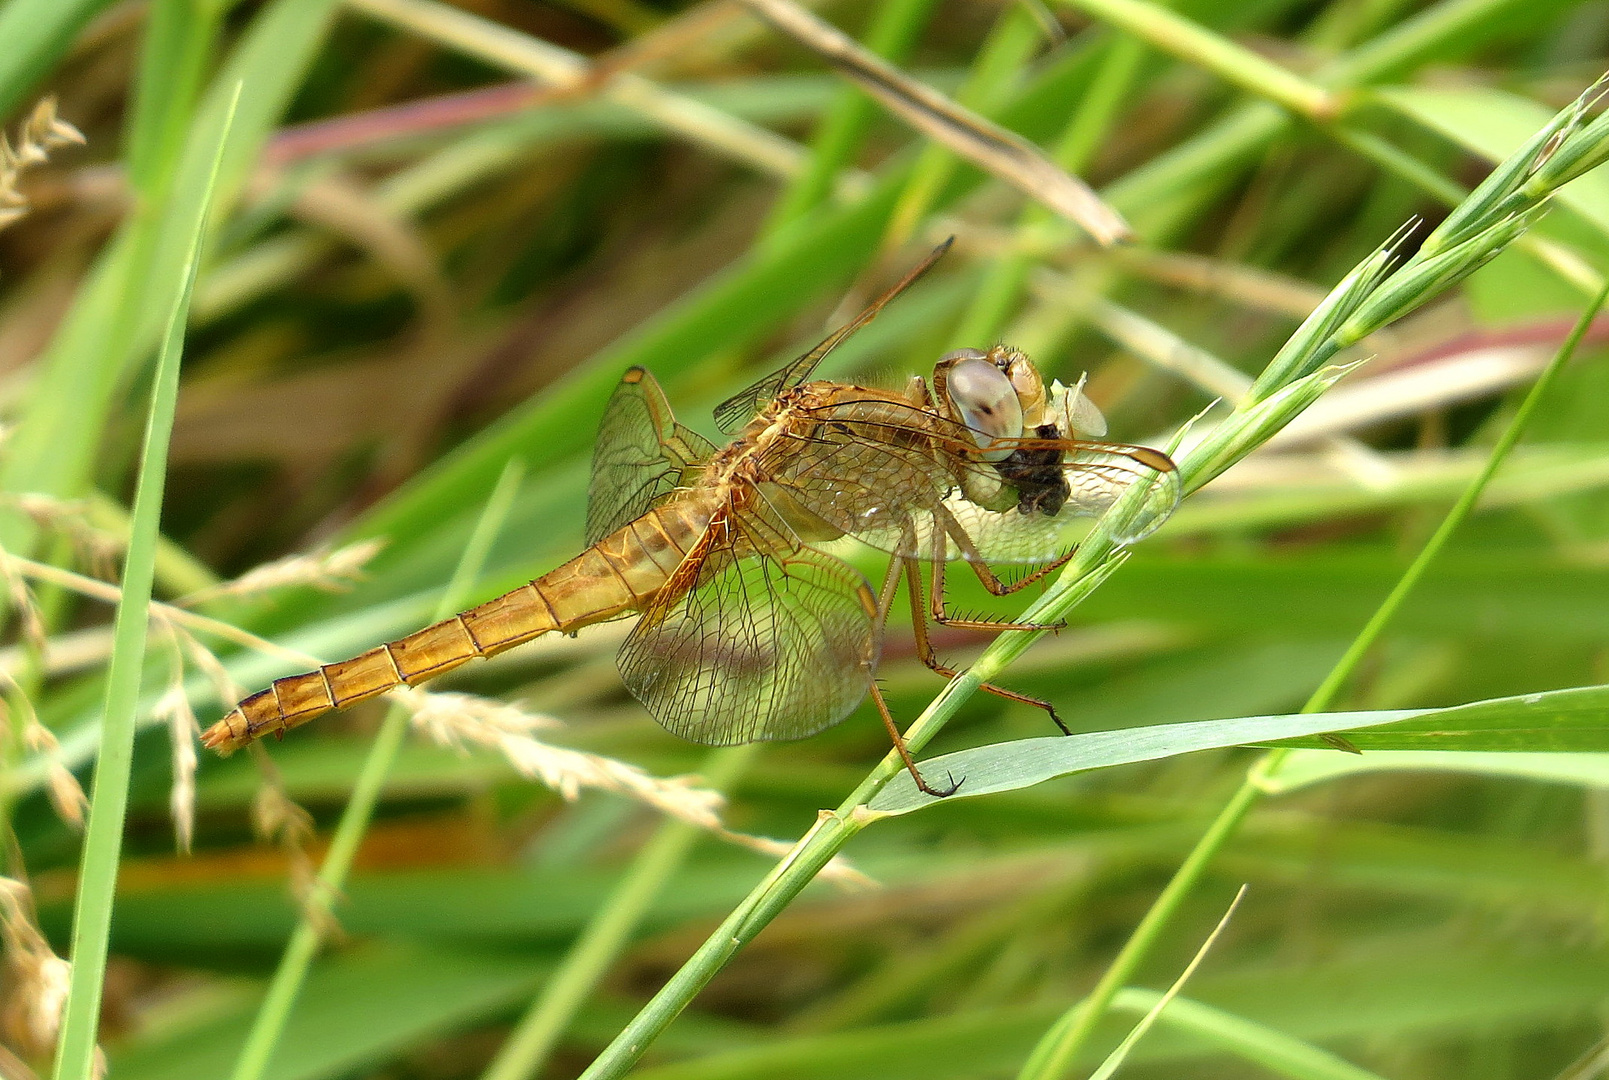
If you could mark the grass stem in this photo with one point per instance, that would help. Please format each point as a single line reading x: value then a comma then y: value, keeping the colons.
x: 1083, y: 1018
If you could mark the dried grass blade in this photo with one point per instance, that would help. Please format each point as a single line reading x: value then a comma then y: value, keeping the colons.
x: 991, y: 147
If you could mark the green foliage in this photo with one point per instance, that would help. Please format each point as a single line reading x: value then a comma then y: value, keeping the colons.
x: 413, y: 279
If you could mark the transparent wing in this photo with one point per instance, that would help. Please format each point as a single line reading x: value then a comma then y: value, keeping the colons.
x: 740, y: 408
x: 753, y: 647
x: 901, y: 479
x: 642, y: 454
x: 1096, y: 484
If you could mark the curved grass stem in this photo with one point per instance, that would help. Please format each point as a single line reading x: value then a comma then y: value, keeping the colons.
x: 1070, y: 1037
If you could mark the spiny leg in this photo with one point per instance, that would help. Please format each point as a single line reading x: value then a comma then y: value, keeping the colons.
x: 990, y: 582
x: 905, y: 751
x: 924, y: 650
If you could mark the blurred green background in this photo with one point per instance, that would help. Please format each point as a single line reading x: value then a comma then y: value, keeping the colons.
x: 446, y: 231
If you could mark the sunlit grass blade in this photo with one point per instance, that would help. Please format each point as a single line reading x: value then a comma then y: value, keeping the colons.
x: 1274, y: 1050
x: 286, y: 985
x: 97, y: 882
x: 1114, y: 1061
x: 1170, y: 32
x: 1575, y: 720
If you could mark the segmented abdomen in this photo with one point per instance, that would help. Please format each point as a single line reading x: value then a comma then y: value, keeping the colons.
x: 619, y: 574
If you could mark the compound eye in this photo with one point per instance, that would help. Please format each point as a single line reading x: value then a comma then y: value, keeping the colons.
x: 987, y: 402
x: 962, y: 354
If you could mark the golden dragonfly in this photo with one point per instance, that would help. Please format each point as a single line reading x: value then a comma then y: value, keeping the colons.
x: 748, y: 630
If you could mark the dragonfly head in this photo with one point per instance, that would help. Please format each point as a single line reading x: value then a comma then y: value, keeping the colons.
x: 976, y: 388
x: 999, y: 394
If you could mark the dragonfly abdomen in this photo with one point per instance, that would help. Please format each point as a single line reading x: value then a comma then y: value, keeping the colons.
x: 620, y: 573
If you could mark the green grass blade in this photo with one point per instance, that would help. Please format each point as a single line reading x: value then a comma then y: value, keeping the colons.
x: 97, y: 884
x: 1011, y: 766
x: 1229, y: 819
x: 1575, y: 720
x: 893, y: 33
x: 1304, y: 767
x: 291, y: 974
x: 1114, y: 1061
x: 1274, y: 1050
x: 179, y: 38
x: 1193, y: 43
x: 37, y: 33
x: 114, y: 320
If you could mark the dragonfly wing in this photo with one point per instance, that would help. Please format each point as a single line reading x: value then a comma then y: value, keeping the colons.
x: 1096, y: 480
x: 753, y: 647
x: 882, y: 492
x: 736, y: 411
x: 901, y: 480
x: 641, y: 455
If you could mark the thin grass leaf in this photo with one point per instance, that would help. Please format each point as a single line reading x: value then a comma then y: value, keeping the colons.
x: 1274, y: 1050
x: 1114, y: 1061
x: 97, y: 883
x: 1575, y: 720
x: 1006, y: 155
x: 1189, y: 41
x: 1303, y: 768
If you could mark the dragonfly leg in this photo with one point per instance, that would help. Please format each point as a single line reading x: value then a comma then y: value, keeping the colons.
x: 924, y: 650
x: 992, y: 582
x: 943, y: 618
x: 905, y: 752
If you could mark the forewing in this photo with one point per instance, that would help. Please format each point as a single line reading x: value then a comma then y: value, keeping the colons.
x: 1098, y: 477
x: 753, y: 647
x: 882, y: 491
x: 900, y: 479
x: 1095, y: 486
x: 641, y: 455
x: 740, y: 408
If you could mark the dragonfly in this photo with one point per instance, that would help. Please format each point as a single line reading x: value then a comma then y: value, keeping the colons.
x: 751, y: 627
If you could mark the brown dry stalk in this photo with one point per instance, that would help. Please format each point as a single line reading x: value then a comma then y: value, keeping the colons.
x: 1006, y: 155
